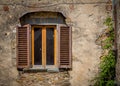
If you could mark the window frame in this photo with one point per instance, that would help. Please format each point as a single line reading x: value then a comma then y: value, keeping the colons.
x: 44, y: 27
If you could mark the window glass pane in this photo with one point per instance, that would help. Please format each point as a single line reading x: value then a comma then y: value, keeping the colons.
x: 37, y: 46
x: 50, y: 46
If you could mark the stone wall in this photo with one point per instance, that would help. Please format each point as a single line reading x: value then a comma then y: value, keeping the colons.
x: 86, y: 18
x: 117, y: 27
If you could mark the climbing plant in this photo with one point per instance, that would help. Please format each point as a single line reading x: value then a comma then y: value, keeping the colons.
x: 107, y: 64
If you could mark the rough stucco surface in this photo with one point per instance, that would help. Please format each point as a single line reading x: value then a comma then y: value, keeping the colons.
x: 87, y: 24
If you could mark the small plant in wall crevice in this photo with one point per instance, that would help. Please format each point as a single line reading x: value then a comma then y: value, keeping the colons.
x: 107, y: 64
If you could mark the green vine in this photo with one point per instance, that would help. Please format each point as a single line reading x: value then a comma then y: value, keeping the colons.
x: 107, y: 64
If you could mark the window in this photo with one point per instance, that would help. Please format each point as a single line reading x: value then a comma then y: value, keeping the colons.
x: 44, y: 46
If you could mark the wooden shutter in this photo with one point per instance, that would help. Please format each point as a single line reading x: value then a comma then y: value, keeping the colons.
x: 23, y: 52
x: 65, y: 37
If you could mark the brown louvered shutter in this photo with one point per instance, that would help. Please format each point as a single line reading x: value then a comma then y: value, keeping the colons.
x: 65, y: 47
x: 23, y: 35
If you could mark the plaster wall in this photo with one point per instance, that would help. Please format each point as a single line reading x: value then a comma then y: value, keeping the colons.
x: 86, y: 18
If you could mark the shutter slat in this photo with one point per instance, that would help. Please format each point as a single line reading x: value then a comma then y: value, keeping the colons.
x: 23, y: 47
x: 65, y: 47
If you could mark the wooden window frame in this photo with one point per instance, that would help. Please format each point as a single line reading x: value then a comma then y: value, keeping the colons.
x: 43, y: 27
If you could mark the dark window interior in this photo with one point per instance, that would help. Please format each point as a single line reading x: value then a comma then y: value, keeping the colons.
x: 37, y: 46
x: 50, y: 46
